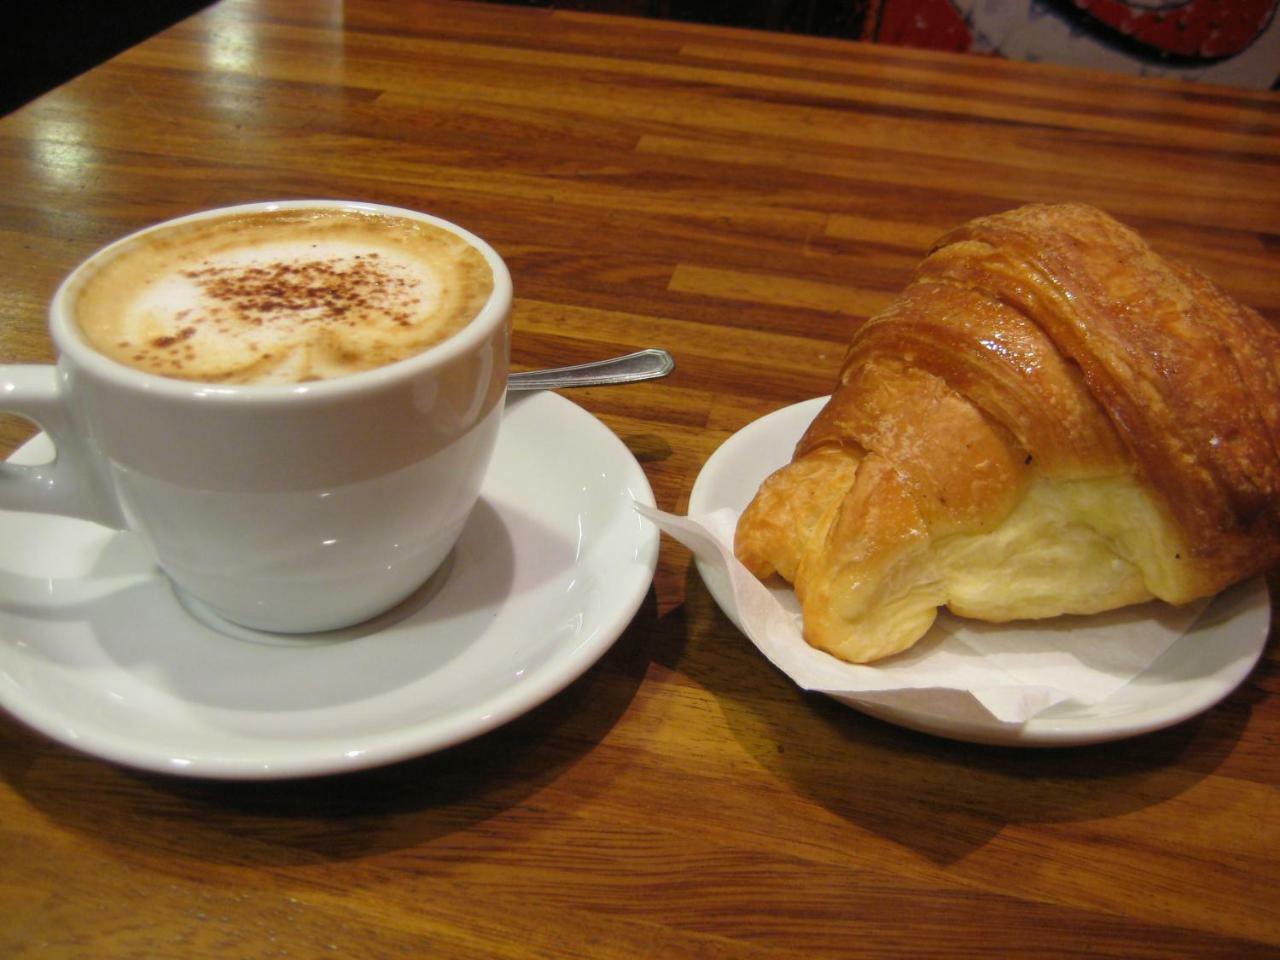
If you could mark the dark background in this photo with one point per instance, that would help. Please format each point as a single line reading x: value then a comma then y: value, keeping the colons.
x: 46, y: 42
x: 837, y: 18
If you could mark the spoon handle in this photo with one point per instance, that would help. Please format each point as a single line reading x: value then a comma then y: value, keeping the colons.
x: 644, y: 365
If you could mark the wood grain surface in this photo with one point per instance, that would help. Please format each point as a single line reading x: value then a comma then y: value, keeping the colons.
x: 740, y: 198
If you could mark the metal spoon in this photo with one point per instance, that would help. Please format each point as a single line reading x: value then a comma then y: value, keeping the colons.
x: 644, y: 365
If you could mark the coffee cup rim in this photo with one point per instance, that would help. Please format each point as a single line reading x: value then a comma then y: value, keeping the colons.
x: 69, y: 341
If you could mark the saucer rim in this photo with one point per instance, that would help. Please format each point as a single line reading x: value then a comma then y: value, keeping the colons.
x: 577, y: 655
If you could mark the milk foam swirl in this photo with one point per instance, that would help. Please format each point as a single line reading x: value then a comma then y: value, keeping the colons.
x: 282, y: 296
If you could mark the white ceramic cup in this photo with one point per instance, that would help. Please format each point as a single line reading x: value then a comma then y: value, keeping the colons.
x: 286, y: 508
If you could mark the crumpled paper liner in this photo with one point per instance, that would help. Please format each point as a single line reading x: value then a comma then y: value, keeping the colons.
x: 1012, y: 671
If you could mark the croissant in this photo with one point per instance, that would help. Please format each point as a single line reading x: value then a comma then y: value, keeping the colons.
x: 1051, y: 419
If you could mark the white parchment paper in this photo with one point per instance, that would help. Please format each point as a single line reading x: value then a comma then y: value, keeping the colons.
x: 1013, y: 671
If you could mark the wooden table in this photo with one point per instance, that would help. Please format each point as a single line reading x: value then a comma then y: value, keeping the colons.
x: 738, y: 198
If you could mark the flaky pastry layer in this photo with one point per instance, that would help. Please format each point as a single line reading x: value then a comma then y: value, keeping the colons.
x: 1050, y: 419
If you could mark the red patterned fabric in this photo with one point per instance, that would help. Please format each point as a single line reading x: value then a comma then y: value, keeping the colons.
x: 1228, y: 41
x: 932, y: 24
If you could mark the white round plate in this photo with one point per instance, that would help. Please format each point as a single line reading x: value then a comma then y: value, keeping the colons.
x: 96, y: 651
x: 1196, y: 672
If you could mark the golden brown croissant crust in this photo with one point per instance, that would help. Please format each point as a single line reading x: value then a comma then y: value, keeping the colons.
x: 1050, y: 419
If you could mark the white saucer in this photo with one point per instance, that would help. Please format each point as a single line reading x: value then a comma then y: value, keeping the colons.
x: 96, y: 651
x: 1196, y: 672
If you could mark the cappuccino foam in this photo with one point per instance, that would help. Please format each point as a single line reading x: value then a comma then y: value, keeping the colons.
x: 282, y: 296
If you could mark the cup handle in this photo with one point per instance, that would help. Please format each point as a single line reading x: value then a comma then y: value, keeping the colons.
x: 70, y: 484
